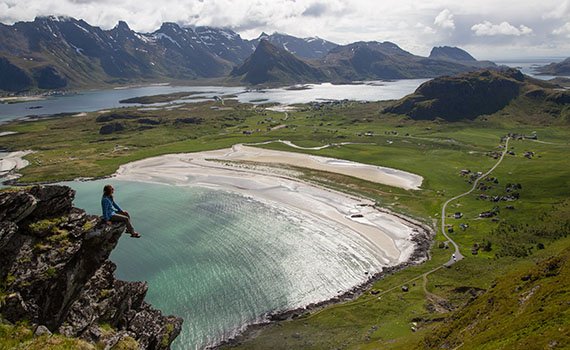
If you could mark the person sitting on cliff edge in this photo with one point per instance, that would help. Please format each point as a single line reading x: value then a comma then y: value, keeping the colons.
x: 113, y: 213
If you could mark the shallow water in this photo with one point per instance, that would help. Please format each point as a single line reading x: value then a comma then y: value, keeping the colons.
x: 89, y: 101
x: 221, y: 260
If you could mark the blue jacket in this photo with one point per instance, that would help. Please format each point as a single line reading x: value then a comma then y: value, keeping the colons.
x: 109, y: 207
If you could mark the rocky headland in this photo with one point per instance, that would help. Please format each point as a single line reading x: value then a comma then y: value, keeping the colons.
x: 56, y: 277
x: 470, y: 95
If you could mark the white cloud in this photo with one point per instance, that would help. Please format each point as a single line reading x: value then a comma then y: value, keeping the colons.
x: 560, y: 11
x: 487, y: 28
x: 445, y: 20
x: 564, y: 30
x: 425, y: 29
x: 442, y: 22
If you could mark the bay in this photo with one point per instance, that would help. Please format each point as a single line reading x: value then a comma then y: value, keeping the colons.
x: 222, y: 261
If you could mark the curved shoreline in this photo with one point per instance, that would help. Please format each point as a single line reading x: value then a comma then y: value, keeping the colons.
x: 423, y: 240
x: 401, y: 241
x: 267, y: 182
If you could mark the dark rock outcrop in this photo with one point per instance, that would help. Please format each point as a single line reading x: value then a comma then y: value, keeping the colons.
x: 485, y: 92
x: 54, y: 272
x: 464, y: 96
x: 189, y: 120
x: 111, y: 128
x: 148, y: 121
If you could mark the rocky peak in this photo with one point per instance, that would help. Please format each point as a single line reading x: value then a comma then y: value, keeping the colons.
x: 306, y: 48
x: 270, y: 64
x: 122, y: 26
x: 54, y: 271
x: 451, y: 53
x: 170, y: 28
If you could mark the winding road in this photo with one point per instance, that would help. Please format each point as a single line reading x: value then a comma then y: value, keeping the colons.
x: 457, y: 254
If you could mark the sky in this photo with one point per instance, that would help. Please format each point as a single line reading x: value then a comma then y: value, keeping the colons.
x: 488, y: 29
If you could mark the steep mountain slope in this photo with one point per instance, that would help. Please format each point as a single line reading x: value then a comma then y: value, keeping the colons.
x: 561, y: 68
x: 457, y: 55
x: 270, y: 64
x: 305, y: 48
x: 469, y: 95
x: 13, y: 78
x: 226, y: 43
x: 526, y: 309
x: 57, y: 51
x: 386, y: 60
x: 357, y: 61
x: 184, y: 55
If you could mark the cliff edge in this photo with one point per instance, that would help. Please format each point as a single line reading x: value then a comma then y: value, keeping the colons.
x: 55, y: 273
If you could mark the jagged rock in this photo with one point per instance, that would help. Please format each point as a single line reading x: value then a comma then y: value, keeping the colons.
x: 52, y: 200
x: 16, y: 207
x: 152, y: 334
x: 55, y: 273
x: 41, y: 330
x: 7, y: 231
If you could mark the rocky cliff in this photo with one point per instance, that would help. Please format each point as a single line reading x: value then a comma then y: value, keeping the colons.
x: 55, y: 272
x: 469, y: 95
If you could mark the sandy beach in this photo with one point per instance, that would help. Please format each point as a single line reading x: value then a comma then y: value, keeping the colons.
x: 12, y: 162
x: 278, y: 187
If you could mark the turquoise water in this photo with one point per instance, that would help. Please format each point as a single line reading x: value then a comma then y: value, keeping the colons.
x: 221, y: 260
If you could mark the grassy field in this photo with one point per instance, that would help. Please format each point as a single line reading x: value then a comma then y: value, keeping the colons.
x: 518, y: 241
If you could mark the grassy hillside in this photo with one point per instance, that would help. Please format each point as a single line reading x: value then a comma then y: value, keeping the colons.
x: 440, y: 305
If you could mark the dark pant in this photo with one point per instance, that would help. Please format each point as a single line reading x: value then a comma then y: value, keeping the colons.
x: 126, y: 219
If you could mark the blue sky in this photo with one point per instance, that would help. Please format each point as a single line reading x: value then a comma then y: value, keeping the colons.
x: 489, y: 29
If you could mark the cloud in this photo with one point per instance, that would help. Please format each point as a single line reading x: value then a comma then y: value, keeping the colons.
x: 425, y: 29
x: 445, y: 20
x: 487, y: 28
x: 564, y: 30
x: 316, y: 10
x: 441, y: 22
x: 560, y: 11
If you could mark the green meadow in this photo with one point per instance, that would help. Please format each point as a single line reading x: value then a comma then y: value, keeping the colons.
x: 527, y: 236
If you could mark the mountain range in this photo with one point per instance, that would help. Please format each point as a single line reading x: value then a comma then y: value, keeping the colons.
x: 557, y: 69
x: 62, y: 52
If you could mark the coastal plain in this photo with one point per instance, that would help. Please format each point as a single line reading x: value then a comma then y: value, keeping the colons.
x: 384, y: 316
